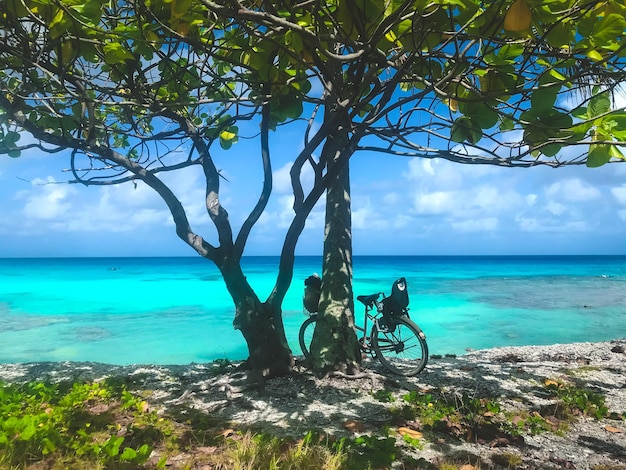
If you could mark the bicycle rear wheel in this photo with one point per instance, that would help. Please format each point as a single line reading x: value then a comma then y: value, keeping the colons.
x: 306, y: 335
x: 402, y: 351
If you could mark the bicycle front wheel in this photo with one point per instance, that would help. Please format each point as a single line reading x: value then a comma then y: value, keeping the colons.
x: 306, y: 335
x: 402, y: 351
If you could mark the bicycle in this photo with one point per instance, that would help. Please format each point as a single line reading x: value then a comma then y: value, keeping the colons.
x: 395, y: 340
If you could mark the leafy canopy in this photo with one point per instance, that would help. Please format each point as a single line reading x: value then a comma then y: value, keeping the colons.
x: 509, y: 83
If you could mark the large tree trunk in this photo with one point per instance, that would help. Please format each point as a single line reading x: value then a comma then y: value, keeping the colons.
x: 262, y: 327
x: 335, y: 346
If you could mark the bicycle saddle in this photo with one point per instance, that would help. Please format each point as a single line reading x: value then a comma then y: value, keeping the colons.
x: 368, y: 300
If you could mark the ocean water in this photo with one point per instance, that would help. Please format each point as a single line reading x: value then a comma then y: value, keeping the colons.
x: 178, y: 311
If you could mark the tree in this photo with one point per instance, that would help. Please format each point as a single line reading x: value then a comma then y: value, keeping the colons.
x: 514, y: 84
x: 132, y: 97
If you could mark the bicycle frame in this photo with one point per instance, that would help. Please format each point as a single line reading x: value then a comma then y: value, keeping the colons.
x: 371, y: 303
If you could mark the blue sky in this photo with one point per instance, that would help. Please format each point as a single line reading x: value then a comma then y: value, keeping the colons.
x: 400, y: 206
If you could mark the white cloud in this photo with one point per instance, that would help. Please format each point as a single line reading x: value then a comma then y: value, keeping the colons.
x: 619, y: 194
x: 395, y: 203
x: 550, y: 225
x: 487, y: 224
x: 573, y: 190
x: 492, y: 199
x: 455, y: 199
x: 427, y: 166
x: 392, y: 199
x: 402, y: 221
x: 189, y: 186
x: 282, y: 178
x: 470, y: 202
x: 556, y: 208
x: 369, y: 217
x: 529, y: 224
x: 48, y: 201
x: 280, y: 215
x: 107, y: 209
x: 439, y: 202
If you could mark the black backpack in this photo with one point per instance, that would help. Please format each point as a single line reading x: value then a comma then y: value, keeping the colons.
x: 312, y: 291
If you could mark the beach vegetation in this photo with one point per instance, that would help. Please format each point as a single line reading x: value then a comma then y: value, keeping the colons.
x: 507, y: 460
x: 571, y: 401
x: 133, y: 91
x: 252, y: 451
x: 484, y: 419
x: 447, y: 466
x: 73, y: 424
x: 518, y: 423
x: 581, y: 370
x: 102, y: 425
x: 106, y: 425
x: 384, y: 396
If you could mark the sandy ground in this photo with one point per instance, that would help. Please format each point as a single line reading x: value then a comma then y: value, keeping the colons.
x: 340, y: 406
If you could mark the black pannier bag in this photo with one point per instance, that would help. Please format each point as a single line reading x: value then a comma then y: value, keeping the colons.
x: 396, y: 304
x: 312, y: 291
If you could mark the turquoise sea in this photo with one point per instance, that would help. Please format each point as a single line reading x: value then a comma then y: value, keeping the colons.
x: 177, y: 310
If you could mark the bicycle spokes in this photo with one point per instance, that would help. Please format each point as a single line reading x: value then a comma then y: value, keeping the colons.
x: 403, y: 351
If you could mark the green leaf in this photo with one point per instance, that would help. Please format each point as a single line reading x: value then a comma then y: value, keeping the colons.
x: 48, y: 446
x: 11, y: 138
x: 599, y: 104
x: 507, y: 124
x: 179, y: 8
x: 227, y: 135
x: 28, y: 432
x: 543, y: 99
x: 559, y: 76
x: 555, y: 120
x: 560, y: 34
x: 115, y: 53
x: 485, y: 118
x: 58, y: 19
x: 226, y: 144
x: 551, y: 150
x: 129, y: 454
x: 144, y: 451
x: 610, y: 29
x: 580, y: 113
x: 465, y: 129
x: 535, y: 135
x: 112, y: 446
x: 599, y: 154
x: 292, y: 108
x: 92, y: 9
x: 615, y: 152
x: 595, y: 56
x: 510, y: 51
x: 459, y: 132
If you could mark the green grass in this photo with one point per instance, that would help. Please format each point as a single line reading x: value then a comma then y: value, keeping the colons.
x: 102, y: 426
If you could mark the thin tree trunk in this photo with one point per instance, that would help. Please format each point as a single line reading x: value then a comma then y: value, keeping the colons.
x: 334, y: 346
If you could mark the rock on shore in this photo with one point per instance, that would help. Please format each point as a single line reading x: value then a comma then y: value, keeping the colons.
x: 514, y: 376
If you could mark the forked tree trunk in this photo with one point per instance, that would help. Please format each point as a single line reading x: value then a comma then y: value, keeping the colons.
x: 334, y: 346
x: 262, y: 327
